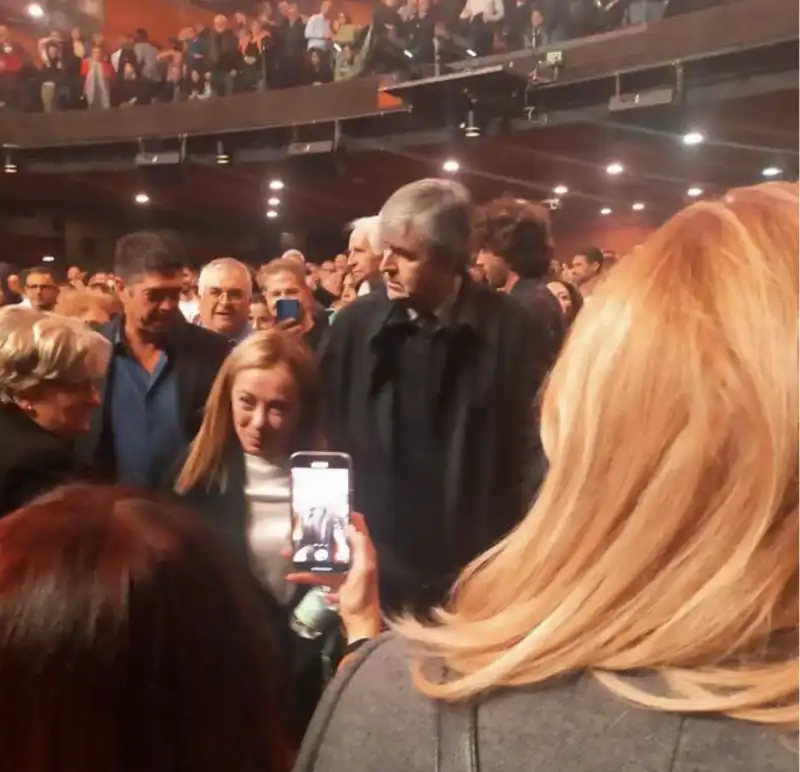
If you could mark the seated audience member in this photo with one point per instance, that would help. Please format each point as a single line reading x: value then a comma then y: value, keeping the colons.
x: 134, y: 641
x: 514, y: 249
x: 41, y: 288
x: 644, y: 615
x: 364, y: 253
x: 587, y: 270
x: 132, y: 89
x: 160, y: 373
x: 199, y: 86
x: 286, y: 279
x: 225, y: 289
x: 47, y: 366
x: 568, y: 297
x: 88, y: 306
x: 317, y: 69
x: 259, y: 318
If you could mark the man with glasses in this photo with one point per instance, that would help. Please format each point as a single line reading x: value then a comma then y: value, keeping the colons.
x: 161, y: 370
x: 41, y: 288
x: 225, y: 289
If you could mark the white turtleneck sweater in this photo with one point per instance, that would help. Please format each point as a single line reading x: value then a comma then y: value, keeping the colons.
x: 267, y: 490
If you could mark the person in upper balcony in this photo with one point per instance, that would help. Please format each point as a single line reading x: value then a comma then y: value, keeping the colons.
x: 132, y: 89
x: 318, y: 29
x: 225, y: 290
x: 418, y: 30
x: 98, y: 76
x: 479, y: 20
x: 535, y: 33
x: 292, y: 47
x: 351, y: 61
x: 223, y: 57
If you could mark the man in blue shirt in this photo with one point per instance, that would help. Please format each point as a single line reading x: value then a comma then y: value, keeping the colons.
x: 160, y: 374
x: 318, y: 29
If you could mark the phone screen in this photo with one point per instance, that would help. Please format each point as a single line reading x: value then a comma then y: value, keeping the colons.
x: 320, y: 513
x: 287, y: 308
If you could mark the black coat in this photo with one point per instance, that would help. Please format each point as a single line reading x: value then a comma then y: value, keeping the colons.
x: 32, y: 461
x: 196, y: 354
x: 493, y: 462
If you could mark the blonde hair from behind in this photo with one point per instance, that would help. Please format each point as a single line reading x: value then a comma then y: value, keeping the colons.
x: 260, y: 351
x: 37, y: 348
x: 665, y: 536
x: 78, y: 303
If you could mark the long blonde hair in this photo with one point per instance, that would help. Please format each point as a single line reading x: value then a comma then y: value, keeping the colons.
x: 665, y: 537
x: 205, y: 464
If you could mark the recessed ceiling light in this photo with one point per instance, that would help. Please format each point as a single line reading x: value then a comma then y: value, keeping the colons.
x: 48, y: 259
x: 276, y: 184
x: 561, y: 190
x: 35, y: 11
x: 694, y: 192
x: 615, y: 168
x: 272, y: 214
x: 771, y: 171
x: 142, y: 198
x: 451, y: 166
x: 638, y: 206
x: 693, y: 138
x: 273, y: 201
x: 606, y: 211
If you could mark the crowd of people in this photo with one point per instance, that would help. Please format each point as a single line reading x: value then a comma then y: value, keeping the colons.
x: 280, y: 46
x: 579, y: 540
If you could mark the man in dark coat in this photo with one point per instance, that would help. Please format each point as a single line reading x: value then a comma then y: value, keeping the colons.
x: 160, y: 374
x: 432, y: 383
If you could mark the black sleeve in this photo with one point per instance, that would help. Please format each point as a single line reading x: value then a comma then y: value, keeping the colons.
x: 35, y: 475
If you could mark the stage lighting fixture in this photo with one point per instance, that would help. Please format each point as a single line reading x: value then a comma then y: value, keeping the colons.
x: 35, y: 11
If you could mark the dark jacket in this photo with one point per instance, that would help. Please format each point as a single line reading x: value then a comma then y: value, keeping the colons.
x: 497, y: 359
x: 196, y: 354
x: 304, y: 672
x: 32, y: 461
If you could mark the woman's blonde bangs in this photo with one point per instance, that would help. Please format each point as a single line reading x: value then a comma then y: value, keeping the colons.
x: 38, y: 348
x: 665, y: 536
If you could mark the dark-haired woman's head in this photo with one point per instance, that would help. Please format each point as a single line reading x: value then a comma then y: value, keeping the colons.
x: 130, y: 639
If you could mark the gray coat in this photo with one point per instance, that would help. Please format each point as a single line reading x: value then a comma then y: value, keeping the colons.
x: 372, y: 720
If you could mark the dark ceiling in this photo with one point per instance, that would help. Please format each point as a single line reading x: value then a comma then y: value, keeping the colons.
x: 743, y: 136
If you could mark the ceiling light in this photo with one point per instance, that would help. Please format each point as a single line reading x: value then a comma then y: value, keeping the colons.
x: 638, y: 206
x: 605, y: 211
x: 35, y: 11
x: 771, y: 171
x: 272, y: 214
x: 561, y: 190
x: 142, y: 198
x: 694, y: 192
x: 451, y: 166
x: 615, y: 168
x: 273, y: 201
x: 9, y: 167
x: 693, y: 138
x: 276, y: 184
x: 471, y: 53
x: 408, y: 54
x: 48, y: 259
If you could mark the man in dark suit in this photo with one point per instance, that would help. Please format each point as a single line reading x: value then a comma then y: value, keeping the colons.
x: 431, y: 385
x: 160, y: 373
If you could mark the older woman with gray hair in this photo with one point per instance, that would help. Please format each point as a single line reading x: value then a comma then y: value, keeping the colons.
x: 48, y: 365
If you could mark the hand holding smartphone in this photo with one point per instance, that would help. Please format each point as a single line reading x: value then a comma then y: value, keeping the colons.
x: 288, y: 309
x: 321, y: 506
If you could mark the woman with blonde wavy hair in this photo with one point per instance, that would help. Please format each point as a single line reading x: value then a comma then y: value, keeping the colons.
x: 644, y: 615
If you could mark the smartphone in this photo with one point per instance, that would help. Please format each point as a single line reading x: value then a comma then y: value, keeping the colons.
x: 287, y: 308
x: 321, y: 505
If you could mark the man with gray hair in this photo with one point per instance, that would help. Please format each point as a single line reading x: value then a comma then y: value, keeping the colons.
x: 225, y: 288
x: 364, y: 254
x: 431, y: 385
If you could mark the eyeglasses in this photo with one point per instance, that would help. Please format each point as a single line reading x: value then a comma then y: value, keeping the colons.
x: 234, y: 295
